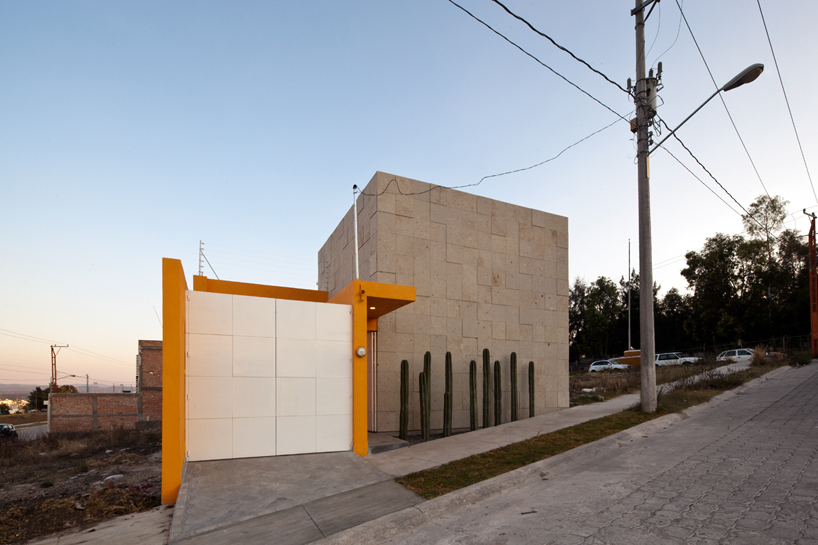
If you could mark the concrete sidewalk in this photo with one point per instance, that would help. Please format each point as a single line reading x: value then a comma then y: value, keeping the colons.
x: 740, y: 469
x: 442, y: 451
x: 303, y: 498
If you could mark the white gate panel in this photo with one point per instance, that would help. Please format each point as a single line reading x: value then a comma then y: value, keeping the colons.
x: 267, y: 377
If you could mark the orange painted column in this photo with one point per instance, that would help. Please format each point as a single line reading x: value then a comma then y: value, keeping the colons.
x: 173, y: 377
x: 352, y: 295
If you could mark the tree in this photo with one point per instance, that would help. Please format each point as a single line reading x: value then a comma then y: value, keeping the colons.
x: 4, y: 408
x: 576, y: 318
x: 38, y: 396
x: 765, y: 217
x: 601, y: 312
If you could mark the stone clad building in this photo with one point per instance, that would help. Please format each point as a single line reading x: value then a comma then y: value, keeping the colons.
x: 488, y: 274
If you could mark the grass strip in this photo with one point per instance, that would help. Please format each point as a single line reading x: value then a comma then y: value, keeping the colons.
x: 435, y: 482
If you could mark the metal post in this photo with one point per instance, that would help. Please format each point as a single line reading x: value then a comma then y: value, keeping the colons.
x: 87, y: 390
x: 813, y: 287
x: 646, y: 330
x: 630, y: 345
x: 355, y: 226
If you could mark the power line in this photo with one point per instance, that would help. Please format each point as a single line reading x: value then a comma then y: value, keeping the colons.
x: 722, y: 99
x: 580, y: 89
x: 701, y: 181
x: 397, y: 184
x: 558, y: 46
x: 714, y: 179
x: 787, y: 100
x: 81, y: 351
x: 678, y: 30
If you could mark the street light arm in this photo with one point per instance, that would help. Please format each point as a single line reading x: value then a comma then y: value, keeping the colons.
x: 747, y: 75
x: 683, y: 122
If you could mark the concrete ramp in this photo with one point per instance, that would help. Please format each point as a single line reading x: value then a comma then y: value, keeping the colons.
x: 293, y: 499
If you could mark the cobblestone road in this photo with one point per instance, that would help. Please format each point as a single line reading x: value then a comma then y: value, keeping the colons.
x: 740, y: 470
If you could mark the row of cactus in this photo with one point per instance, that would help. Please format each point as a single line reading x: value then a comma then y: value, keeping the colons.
x: 424, y: 387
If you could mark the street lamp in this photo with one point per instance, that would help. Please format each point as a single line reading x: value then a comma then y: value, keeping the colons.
x: 643, y: 113
x: 86, y: 381
x: 747, y: 75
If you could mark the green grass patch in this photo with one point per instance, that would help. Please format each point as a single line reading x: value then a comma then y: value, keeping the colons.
x: 435, y: 482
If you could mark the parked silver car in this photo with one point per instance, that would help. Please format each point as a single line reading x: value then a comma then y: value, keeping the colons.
x: 675, y: 358
x: 739, y: 355
x: 607, y: 365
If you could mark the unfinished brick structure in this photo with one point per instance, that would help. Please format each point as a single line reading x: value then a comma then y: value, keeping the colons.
x: 99, y: 412
x: 488, y: 274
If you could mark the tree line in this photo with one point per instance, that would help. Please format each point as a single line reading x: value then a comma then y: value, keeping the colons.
x: 742, y: 288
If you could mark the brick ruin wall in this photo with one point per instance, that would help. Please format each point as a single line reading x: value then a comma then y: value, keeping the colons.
x: 100, y: 412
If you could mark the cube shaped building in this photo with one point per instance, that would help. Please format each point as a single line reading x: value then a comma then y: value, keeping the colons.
x: 488, y: 274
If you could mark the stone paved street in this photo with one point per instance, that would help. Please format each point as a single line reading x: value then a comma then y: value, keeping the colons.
x: 741, y: 469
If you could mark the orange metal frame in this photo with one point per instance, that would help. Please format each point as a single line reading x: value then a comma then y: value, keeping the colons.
x: 369, y: 301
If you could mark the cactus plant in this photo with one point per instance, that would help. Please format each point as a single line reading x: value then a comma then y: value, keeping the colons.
x: 447, y: 398
x: 427, y: 370
x: 424, y: 413
x: 530, y: 389
x: 513, y: 386
x: 404, y: 400
x: 498, y: 395
x: 486, y: 387
x: 473, y: 395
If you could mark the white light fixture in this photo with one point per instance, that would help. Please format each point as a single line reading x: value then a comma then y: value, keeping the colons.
x: 361, y: 351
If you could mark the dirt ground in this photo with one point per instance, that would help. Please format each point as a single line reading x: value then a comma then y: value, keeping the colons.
x: 54, y: 483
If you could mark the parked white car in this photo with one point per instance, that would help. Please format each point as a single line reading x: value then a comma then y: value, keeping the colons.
x: 739, y: 355
x: 607, y: 365
x: 674, y: 358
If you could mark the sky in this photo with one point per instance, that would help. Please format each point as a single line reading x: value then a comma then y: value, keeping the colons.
x: 131, y: 131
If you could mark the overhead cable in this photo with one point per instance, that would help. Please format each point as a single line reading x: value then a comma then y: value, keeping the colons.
x: 787, y: 100
x: 580, y: 89
x: 722, y: 99
x: 490, y: 175
x: 558, y: 46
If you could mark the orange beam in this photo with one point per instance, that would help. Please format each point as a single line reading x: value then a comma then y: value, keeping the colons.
x: 203, y: 283
x: 173, y: 377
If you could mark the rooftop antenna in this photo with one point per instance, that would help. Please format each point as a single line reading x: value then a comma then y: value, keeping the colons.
x: 355, y: 192
x: 201, y: 253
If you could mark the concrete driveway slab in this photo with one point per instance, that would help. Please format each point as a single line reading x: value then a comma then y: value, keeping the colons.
x: 221, y: 493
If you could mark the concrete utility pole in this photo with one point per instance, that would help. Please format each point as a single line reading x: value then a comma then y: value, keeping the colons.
x: 643, y: 114
x: 53, y: 389
x: 813, y: 287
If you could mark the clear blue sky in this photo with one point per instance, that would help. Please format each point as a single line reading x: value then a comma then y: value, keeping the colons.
x: 129, y: 131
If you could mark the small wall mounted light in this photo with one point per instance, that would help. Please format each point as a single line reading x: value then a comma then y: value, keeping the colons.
x: 361, y: 351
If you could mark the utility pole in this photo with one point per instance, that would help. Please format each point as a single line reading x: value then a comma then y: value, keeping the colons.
x: 643, y: 120
x: 54, y: 365
x: 813, y: 287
